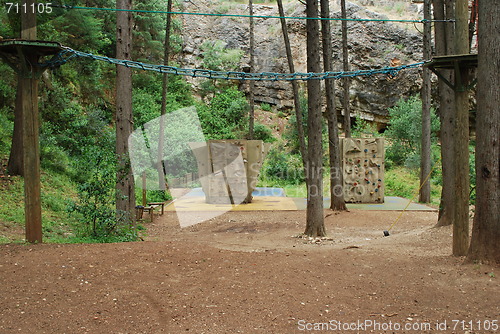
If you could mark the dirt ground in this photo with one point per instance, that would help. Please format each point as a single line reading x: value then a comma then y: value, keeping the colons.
x: 248, y: 272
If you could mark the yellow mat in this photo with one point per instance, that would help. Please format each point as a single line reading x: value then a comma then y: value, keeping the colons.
x: 259, y: 203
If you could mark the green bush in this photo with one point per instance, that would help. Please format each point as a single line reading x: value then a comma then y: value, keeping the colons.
x: 217, y: 57
x: 263, y: 132
x: 282, y: 166
x: 265, y: 106
x: 6, y: 130
x: 363, y: 128
x: 96, y: 199
x: 404, y: 132
x: 225, y: 115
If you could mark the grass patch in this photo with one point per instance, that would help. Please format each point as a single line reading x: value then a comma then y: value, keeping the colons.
x: 57, y: 192
x: 399, y: 181
x: 403, y: 182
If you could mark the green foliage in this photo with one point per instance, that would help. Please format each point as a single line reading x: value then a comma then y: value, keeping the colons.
x: 363, y: 128
x: 217, y: 57
x: 225, y: 115
x: 405, y: 132
x: 7, y: 86
x: 6, y: 129
x: 472, y: 173
x: 263, y: 132
x: 77, y: 113
x: 281, y: 165
x: 96, y: 200
x: 265, y: 106
x: 147, y: 92
x: 402, y: 182
x: 291, y: 135
x: 57, y: 192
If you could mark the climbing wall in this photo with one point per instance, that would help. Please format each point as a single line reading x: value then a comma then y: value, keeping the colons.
x: 229, y: 169
x: 363, y: 168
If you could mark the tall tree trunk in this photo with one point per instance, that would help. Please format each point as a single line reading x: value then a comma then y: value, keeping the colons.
x: 337, y: 201
x: 461, y: 136
x: 15, y: 166
x: 295, y: 86
x: 444, y: 36
x: 425, y: 157
x: 28, y: 89
x: 315, y: 224
x: 346, y: 81
x: 160, y: 167
x: 251, y: 95
x: 485, y: 245
x: 125, y: 195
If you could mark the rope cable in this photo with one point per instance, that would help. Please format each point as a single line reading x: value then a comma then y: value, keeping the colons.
x: 67, y: 54
x: 143, y: 11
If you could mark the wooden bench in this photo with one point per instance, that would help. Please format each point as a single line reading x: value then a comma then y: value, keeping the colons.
x: 150, y: 208
x: 154, y: 205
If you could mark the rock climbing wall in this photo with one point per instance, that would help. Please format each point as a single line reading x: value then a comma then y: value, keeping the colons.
x: 363, y: 169
x: 229, y: 169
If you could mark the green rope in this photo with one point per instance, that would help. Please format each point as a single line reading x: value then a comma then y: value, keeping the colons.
x: 67, y: 53
x: 245, y: 15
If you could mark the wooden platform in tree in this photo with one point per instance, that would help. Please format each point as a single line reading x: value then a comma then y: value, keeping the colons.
x: 458, y: 63
x: 12, y: 50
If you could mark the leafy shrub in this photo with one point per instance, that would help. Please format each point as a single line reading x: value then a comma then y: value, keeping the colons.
x: 281, y: 165
x: 265, y: 106
x: 6, y: 129
x: 263, y: 132
x: 96, y: 196
x: 225, y: 115
x: 405, y: 132
x: 363, y: 128
x: 217, y: 57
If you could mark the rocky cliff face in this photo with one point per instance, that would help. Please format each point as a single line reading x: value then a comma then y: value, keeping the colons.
x: 372, y: 45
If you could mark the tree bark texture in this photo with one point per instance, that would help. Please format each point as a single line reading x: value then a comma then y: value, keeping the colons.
x: 28, y: 91
x: 461, y: 137
x: 15, y: 165
x: 251, y: 95
x: 125, y: 195
x: 444, y: 32
x: 346, y: 82
x: 337, y: 201
x: 485, y: 243
x: 425, y: 157
x: 160, y: 167
x: 315, y: 224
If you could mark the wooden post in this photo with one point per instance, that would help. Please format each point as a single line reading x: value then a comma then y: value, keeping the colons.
x: 31, y: 152
x: 31, y: 146
x: 461, y: 136
x: 144, y: 199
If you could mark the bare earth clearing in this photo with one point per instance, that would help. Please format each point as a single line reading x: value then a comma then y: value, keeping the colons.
x: 243, y: 272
